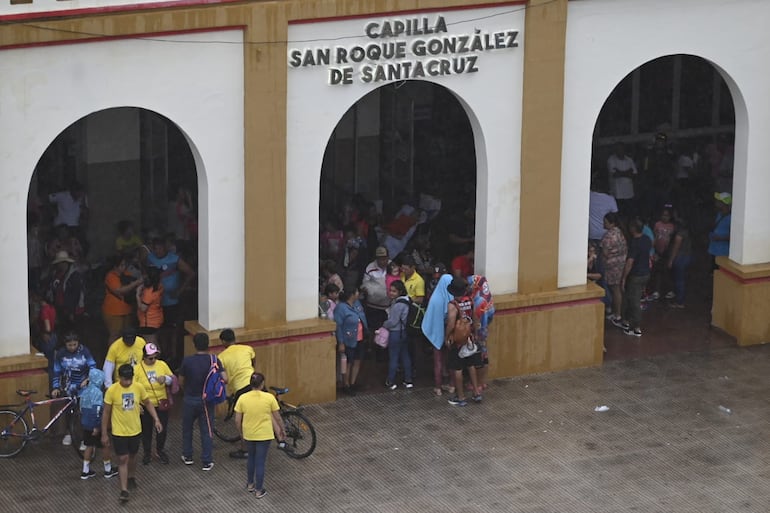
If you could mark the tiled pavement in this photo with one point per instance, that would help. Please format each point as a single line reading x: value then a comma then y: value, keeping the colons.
x: 535, y: 445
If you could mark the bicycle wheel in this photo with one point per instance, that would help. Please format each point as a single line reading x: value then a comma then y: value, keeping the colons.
x: 75, y: 428
x: 224, y: 424
x: 300, y: 435
x: 13, y: 433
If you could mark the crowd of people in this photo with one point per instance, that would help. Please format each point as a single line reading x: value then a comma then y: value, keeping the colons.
x: 127, y: 405
x: 646, y: 222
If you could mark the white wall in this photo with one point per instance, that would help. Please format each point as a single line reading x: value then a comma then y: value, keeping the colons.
x: 197, y: 86
x: 492, y: 99
x: 606, y: 40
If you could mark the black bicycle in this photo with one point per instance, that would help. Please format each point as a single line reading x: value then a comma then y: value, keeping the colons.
x: 15, y: 432
x: 300, y: 433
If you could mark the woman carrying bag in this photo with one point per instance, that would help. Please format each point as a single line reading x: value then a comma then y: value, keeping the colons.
x: 154, y: 375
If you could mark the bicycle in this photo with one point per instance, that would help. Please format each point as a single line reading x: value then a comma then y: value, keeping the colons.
x: 15, y: 432
x: 300, y: 433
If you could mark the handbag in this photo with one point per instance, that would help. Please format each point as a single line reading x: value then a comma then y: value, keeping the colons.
x: 381, y: 337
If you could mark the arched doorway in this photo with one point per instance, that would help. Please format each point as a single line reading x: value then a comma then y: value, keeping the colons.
x: 399, y: 171
x: 663, y: 146
x: 112, y: 183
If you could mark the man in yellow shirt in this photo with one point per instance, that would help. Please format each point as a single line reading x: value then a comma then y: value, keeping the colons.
x: 415, y: 289
x: 259, y: 421
x: 238, y: 361
x: 121, y: 419
x: 126, y: 349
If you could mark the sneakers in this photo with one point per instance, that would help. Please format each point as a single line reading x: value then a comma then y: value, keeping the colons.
x: 636, y: 332
x: 82, y: 447
x: 123, y: 496
x: 618, y: 322
x: 260, y: 493
x: 110, y: 473
x: 670, y: 295
x: 67, y: 440
x: 437, y: 391
x: 187, y: 461
x: 239, y: 454
x: 132, y: 483
x: 207, y: 466
x: 348, y: 390
x: 652, y: 297
x: 146, y: 459
x: 456, y: 401
x: 390, y: 386
x: 677, y: 306
x: 408, y: 385
x: 477, y: 398
x: 163, y: 457
x: 87, y: 475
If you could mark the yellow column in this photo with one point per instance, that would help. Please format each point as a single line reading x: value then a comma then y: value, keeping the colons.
x: 542, y: 114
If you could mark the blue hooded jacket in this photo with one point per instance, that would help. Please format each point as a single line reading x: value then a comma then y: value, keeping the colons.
x: 92, y: 400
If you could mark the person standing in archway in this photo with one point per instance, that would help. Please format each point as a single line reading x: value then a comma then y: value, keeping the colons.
x: 176, y: 276
x: 621, y: 172
x: 719, y: 237
x: 636, y: 273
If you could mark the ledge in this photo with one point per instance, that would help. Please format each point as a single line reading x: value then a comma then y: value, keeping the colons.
x: 22, y: 363
x: 744, y: 273
x: 286, y: 332
x: 560, y: 298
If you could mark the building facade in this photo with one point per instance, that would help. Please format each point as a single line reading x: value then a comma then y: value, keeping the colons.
x: 257, y: 89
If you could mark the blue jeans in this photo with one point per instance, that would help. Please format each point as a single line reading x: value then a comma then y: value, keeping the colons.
x: 255, y: 466
x: 195, y: 409
x: 679, y: 270
x: 398, y: 351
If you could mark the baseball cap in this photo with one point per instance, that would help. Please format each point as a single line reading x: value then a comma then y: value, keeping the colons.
x: 458, y: 287
x: 381, y: 252
x: 724, y: 197
x: 151, y: 349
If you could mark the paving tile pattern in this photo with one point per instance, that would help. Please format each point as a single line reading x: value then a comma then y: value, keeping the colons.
x: 535, y: 445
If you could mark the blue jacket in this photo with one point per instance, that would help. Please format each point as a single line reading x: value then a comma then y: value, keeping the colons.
x: 347, y: 318
x: 92, y: 400
x: 71, y: 369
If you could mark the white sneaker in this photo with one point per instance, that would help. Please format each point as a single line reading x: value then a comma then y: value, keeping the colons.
x: 82, y: 447
x: 67, y: 440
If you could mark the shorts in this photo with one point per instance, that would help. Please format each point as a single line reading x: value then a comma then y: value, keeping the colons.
x: 355, y: 353
x: 455, y: 363
x: 122, y: 445
x: 92, y: 440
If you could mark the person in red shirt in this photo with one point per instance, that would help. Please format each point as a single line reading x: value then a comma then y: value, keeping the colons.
x: 462, y: 264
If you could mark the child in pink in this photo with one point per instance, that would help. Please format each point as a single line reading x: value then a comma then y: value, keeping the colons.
x: 394, y: 273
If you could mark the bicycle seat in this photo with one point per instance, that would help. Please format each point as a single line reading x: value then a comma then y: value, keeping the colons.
x: 26, y: 393
x: 279, y: 391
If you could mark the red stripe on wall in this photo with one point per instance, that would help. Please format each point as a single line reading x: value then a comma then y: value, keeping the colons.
x: 401, y: 13
x: 22, y: 373
x: 744, y: 281
x: 110, y: 9
x: 148, y: 35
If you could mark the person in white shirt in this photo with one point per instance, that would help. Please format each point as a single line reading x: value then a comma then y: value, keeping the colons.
x: 621, y: 171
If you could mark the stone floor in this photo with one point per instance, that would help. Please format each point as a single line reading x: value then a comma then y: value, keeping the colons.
x: 535, y: 445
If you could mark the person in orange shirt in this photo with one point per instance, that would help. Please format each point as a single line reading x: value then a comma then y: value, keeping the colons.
x: 116, y: 309
x: 148, y: 308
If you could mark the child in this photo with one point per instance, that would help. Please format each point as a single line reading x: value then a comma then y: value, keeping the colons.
x: 332, y: 293
x: 91, y: 406
x: 394, y: 274
x: 663, y: 230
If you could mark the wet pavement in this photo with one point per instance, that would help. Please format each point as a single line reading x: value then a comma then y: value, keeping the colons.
x: 534, y: 445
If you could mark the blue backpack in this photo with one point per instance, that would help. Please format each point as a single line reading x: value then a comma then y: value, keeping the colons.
x: 214, y: 389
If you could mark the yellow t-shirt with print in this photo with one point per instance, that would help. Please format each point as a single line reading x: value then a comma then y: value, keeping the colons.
x: 257, y: 408
x: 146, y: 375
x: 415, y: 285
x: 236, y: 360
x: 119, y: 353
x: 125, y: 402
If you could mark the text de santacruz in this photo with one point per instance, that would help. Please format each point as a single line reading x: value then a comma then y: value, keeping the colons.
x: 446, y: 55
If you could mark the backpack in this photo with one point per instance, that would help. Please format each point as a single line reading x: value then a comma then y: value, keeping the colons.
x: 414, y: 317
x: 214, y: 389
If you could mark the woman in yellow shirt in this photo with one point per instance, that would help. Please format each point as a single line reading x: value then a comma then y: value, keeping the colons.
x: 154, y: 374
x: 259, y: 421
